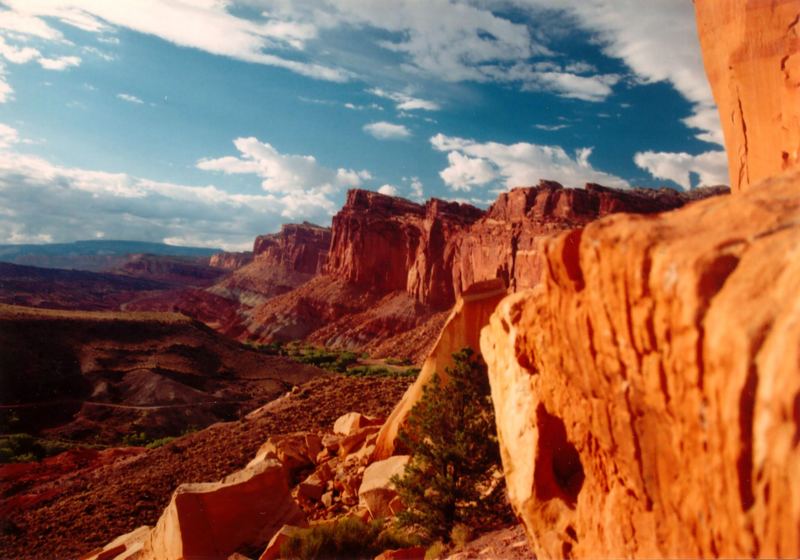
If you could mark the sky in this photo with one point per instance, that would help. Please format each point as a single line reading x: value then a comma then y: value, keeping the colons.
x: 208, y: 122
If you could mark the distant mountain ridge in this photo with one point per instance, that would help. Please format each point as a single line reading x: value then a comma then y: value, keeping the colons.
x: 94, y: 255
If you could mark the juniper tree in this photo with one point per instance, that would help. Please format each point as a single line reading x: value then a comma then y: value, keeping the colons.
x: 453, y: 474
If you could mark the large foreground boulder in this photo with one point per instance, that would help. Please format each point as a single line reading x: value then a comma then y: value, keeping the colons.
x: 377, y: 492
x: 213, y: 520
x: 647, y: 392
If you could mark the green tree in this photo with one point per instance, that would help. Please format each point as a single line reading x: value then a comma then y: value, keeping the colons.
x: 454, y: 475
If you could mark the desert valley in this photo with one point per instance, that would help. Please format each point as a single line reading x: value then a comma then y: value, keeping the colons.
x: 628, y: 361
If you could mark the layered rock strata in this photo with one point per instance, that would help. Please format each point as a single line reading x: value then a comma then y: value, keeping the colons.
x: 301, y: 248
x: 647, y: 389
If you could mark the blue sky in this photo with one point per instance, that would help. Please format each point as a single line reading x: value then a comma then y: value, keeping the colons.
x: 207, y: 122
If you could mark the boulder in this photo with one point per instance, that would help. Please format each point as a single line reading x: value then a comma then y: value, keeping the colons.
x: 410, y: 553
x: 646, y: 392
x: 127, y: 546
x: 213, y: 520
x: 377, y: 491
x: 355, y: 440
x: 351, y: 422
x: 294, y: 451
x: 273, y: 550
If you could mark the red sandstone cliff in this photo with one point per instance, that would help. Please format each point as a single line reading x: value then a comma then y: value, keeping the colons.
x: 299, y: 248
x: 386, y: 243
x: 230, y: 261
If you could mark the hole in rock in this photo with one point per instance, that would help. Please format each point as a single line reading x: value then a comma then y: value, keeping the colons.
x: 571, y: 533
x: 559, y: 472
x: 566, y: 549
x: 571, y: 258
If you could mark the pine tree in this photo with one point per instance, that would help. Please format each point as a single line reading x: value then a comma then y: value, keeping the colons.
x: 453, y: 474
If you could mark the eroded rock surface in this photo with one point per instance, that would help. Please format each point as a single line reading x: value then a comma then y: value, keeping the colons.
x: 647, y: 390
x: 751, y: 51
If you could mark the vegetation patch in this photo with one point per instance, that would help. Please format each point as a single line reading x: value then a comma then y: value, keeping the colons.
x: 348, y: 537
x: 24, y: 448
x: 453, y: 482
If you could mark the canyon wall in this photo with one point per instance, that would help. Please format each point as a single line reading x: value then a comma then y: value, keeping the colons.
x: 230, y: 260
x: 751, y: 51
x: 386, y: 243
x: 434, y: 252
x: 647, y: 389
x: 301, y: 248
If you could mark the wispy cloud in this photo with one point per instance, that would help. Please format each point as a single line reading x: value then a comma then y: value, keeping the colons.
x: 130, y: 98
x: 405, y: 102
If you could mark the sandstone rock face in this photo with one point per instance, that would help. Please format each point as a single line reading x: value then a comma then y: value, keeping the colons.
x: 230, y: 261
x: 502, y: 244
x: 213, y: 520
x: 387, y: 243
x: 297, y: 248
x: 647, y: 391
x: 751, y: 51
x: 461, y: 330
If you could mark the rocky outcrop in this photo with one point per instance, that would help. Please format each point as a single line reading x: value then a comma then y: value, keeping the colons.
x: 502, y: 244
x: 386, y: 244
x: 215, y: 519
x: 230, y: 261
x: 301, y: 248
x: 751, y: 52
x: 647, y: 389
x: 183, y: 271
x: 461, y: 330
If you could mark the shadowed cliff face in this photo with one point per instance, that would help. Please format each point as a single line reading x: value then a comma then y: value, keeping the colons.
x: 647, y: 388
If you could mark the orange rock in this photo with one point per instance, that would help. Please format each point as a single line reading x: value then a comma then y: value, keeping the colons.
x: 411, y: 553
x: 647, y: 391
x: 273, y: 550
x: 377, y: 491
x: 351, y: 422
x: 751, y: 51
x: 213, y: 520
x: 462, y: 329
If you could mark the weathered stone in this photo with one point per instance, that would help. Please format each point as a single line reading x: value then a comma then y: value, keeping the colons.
x: 355, y: 440
x: 410, y: 553
x: 294, y: 451
x: 273, y: 550
x: 377, y: 491
x: 351, y: 422
x: 213, y: 520
x: 751, y: 51
x: 462, y: 330
x: 647, y: 391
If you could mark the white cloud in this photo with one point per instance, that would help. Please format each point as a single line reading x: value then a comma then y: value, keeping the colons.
x: 658, y: 43
x: 6, y: 91
x: 550, y: 127
x: 59, y: 63
x: 710, y: 167
x: 17, y: 55
x: 417, y: 192
x: 8, y: 136
x: 389, y: 190
x: 203, y: 24
x: 130, y: 98
x: 301, y: 184
x: 405, y: 102
x: 383, y: 130
x: 474, y: 164
x: 42, y: 201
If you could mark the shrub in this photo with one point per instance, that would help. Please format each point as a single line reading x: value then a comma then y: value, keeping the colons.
x: 348, y: 537
x: 453, y: 475
x: 24, y: 448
